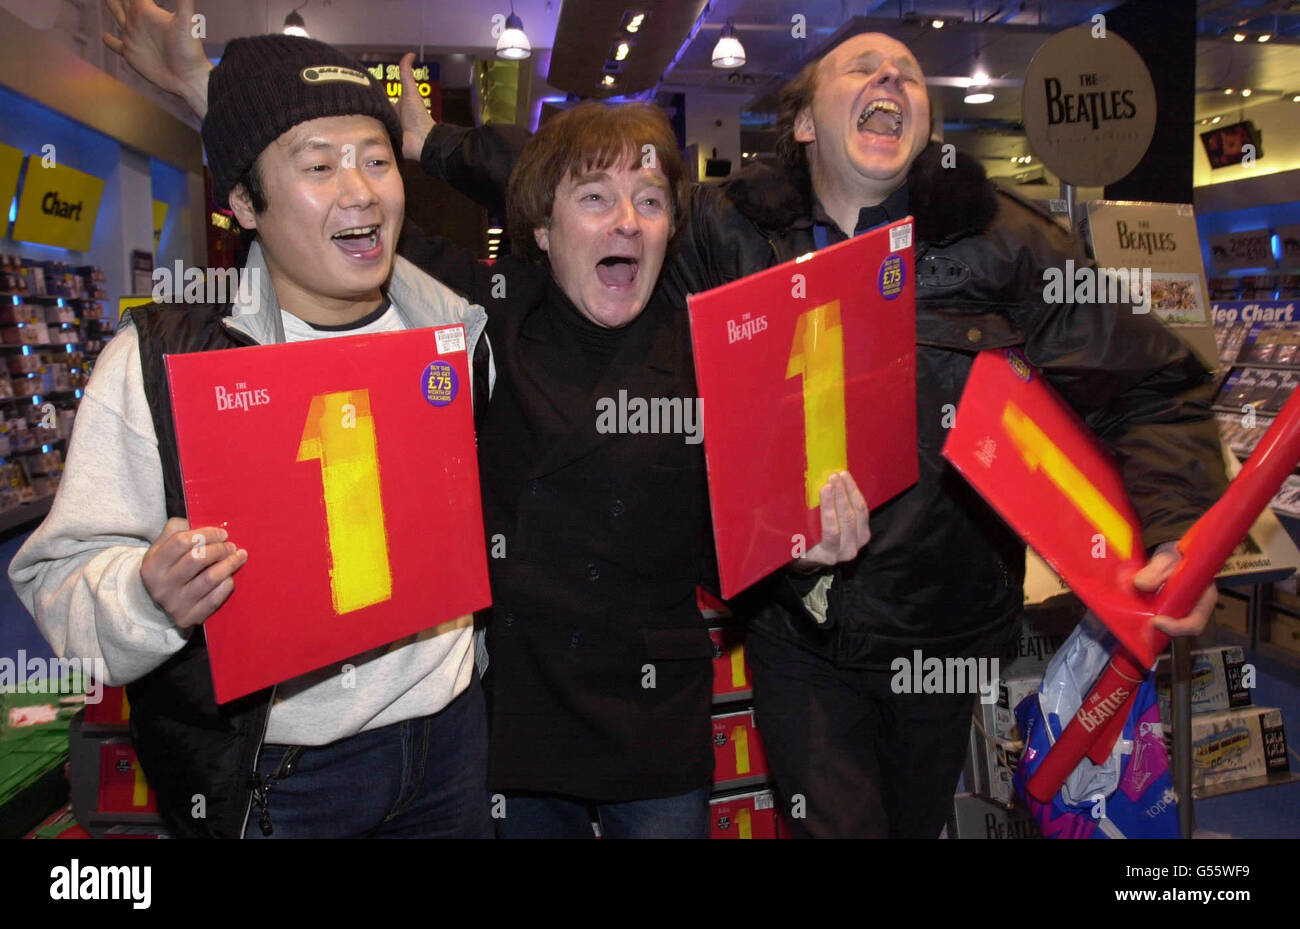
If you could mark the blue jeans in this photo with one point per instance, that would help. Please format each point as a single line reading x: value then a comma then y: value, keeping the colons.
x: 422, y: 778
x: 544, y: 816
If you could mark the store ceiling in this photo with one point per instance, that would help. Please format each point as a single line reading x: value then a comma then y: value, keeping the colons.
x: 676, y: 58
x: 1003, y: 47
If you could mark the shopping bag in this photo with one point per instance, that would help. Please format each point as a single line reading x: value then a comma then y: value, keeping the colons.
x: 1130, y: 794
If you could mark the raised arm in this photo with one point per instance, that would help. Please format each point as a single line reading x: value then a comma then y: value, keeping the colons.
x: 164, y: 48
x: 476, y: 161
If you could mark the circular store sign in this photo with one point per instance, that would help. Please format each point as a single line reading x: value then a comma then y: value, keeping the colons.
x: 1089, y: 107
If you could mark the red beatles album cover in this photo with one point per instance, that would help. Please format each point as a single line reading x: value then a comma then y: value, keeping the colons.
x: 1047, y: 474
x: 805, y: 369
x: 346, y: 468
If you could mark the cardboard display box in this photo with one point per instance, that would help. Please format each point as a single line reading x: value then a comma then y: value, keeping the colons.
x: 1216, y: 681
x: 976, y: 818
x: 1236, y: 745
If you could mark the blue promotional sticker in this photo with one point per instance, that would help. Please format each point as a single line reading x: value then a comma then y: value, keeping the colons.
x: 891, y: 277
x: 439, y: 384
x: 1019, y: 365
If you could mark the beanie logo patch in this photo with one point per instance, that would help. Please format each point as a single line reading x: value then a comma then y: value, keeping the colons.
x: 325, y: 73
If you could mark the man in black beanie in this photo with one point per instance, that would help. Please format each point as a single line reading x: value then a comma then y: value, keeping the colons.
x: 392, y: 742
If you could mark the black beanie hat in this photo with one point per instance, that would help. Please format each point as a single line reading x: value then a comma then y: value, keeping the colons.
x: 266, y: 85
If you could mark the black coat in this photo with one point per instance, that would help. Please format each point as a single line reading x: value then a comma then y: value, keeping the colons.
x: 599, y: 679
x: 942, y: 572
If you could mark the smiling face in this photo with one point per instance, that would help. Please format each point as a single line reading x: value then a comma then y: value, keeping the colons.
x: 606, y: 239
x: 869, y: 119
x: 334, y: 207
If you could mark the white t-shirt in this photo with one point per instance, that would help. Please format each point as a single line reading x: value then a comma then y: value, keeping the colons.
x: 403, y: 680
x: 383, y: 319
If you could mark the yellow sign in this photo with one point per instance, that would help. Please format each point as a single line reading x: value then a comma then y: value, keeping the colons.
x: 390, y: 77
x: 11, y: 162
x: 159, y: 220
x: 58, y: 206
x: 125, y: 303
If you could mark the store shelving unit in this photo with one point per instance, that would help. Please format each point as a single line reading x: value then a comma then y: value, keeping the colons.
x: 53, y: 326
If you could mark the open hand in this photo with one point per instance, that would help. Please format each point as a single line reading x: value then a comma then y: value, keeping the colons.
x: 163, y: 48
x: 416, y: 121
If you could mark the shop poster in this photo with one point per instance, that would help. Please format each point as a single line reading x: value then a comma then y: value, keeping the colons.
x: 1158, y: 243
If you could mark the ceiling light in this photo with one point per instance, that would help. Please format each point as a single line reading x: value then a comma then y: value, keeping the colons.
x: 1296, y: 99
x: 728, y: 53
x: 977, y: 88
x: 632, y: 21
x: 1216, y: 119
x: 294, y: 24
x: 1228, y: 90
x: 494, y: 230
x: 608, y: 80
x: 1264, y: 38
x: 621, y: 50
x: 513, y: 44
x: 1239, y: 37
x: 1246, y: 92
x: 936, y: 23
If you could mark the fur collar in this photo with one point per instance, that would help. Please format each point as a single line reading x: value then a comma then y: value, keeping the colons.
x: 948, y: 203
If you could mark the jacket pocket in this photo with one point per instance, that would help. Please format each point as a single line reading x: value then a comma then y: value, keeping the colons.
x: 970, y: 329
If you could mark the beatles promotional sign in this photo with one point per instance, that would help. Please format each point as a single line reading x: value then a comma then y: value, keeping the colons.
x: 1088, y: 106
x: 805, y: 369
x: 346, y: 468
x: 1158, y: 246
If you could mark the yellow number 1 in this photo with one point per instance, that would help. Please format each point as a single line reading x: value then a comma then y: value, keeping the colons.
x: 818, y: 355
x: 340, y: 433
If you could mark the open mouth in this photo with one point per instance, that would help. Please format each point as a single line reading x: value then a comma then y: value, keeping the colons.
x: 617, y: 270
x: 358, y: 241
x: 882, y: 117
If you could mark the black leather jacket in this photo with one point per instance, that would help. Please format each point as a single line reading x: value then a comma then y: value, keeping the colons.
x: 942, y: 572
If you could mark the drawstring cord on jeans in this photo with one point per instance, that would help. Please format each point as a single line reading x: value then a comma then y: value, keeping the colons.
x: 262, y: 786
